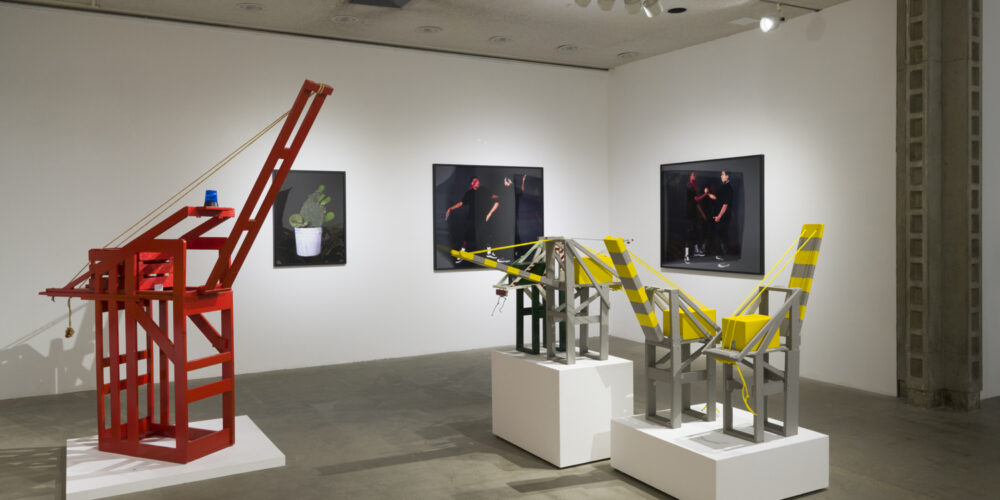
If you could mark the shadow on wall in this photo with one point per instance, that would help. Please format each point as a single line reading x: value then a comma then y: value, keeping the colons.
x: 60, y: 369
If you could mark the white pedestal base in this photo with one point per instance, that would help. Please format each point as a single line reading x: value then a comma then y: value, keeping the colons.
x: 91, y: 473
x: 698, y: 461
x: 560, y: 413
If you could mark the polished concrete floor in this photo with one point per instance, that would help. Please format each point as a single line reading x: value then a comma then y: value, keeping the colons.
x: 420, y: 428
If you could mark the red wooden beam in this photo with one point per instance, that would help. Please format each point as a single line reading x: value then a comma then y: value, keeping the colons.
x: 149, y: 269
x: 223, y: 274
x: 215, y: 359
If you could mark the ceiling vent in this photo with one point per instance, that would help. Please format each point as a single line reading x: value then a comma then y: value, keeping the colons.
x: 396, y: 4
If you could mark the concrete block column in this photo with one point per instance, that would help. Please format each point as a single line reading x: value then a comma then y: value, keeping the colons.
x: 938, y: 200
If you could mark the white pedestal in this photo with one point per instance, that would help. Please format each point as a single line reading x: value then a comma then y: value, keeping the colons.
x: 698, y: 461
x: 91, y: 473
x: 560, y: 413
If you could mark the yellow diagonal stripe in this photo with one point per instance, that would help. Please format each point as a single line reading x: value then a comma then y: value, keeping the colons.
x: 803, y: 283
x: 509, y: 246
x: 647, y: 319
x: 616, y: 245
x: 813, y: 230
x: 802, y: 313
x: 627, y: 271
x: 638, y: 296
x: 809, y: 257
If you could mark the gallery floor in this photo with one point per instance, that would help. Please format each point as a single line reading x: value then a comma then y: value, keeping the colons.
x: 420, y: 428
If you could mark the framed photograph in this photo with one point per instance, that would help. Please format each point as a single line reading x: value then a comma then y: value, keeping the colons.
x: 480, y: 207
x: 712, y: 215
x: 309, y: 220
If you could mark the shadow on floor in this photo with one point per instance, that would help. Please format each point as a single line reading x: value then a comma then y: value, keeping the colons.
x: 457, y: 438
x: 32, y: 473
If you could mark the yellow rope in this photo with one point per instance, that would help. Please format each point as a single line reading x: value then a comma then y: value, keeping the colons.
x: 595, y: 252
x: 745, y: 391
x: 170, y: 202
x: 664, y: 278
x: 650, y: 268
x: 760, y: 290
x: 508, y: 246
x: 779, y: 261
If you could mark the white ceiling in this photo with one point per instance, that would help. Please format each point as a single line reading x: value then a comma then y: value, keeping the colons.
x: 534, y: 30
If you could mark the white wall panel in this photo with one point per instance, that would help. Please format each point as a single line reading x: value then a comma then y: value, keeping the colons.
x: 103, y: 117
x: 817, y: 98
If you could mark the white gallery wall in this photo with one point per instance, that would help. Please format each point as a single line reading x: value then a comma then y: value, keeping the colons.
x: 817, y: 98
x: 991, y: 199
x: 102, y: 118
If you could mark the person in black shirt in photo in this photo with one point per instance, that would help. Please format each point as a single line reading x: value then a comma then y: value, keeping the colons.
x: 696, y: 219
x: 467, y: 226
x: 724, y: 202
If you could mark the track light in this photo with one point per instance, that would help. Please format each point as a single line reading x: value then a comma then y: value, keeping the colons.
x: 652, y: 7
x: 771, y: 23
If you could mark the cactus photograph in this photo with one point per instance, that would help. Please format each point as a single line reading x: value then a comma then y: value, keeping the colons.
x: 308, y: 219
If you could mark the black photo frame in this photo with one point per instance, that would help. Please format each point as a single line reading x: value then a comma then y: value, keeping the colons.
x: 306, y: 199
x: 696, y: 233
x: 506, y: 208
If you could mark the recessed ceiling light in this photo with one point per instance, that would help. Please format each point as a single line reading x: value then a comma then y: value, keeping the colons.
x: 677, y: 10
x: 250, y: 6
x: 499, y: 39
x: 631, y: 54
x: 429, y: 29
x: 345, y: 19
x: 567, y: 47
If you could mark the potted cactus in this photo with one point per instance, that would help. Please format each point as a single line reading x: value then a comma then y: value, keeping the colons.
x: 308, y: 223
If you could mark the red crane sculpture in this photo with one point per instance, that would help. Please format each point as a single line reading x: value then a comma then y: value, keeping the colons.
x: 146, y: 279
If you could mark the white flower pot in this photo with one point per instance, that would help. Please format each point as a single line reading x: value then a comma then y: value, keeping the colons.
x: 308, y: 241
